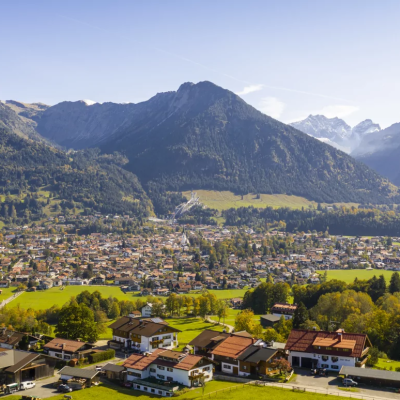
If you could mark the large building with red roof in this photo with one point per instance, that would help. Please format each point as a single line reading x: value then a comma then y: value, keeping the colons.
x: 329, y: 350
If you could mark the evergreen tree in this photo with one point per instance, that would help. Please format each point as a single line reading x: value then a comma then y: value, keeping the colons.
x: 300, y: 316
x: 394, y: 285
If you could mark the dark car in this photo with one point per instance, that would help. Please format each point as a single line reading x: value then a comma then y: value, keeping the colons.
x: 64, y: 389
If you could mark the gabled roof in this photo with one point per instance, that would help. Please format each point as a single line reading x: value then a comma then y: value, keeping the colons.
x: 209, y: 338
x: 304, y: 341
x: 255, y: 354
x: 78, y: 372
x: 233, y: 346
x: 142, y: 327
x: 64, y: 344
x: 167, y: 358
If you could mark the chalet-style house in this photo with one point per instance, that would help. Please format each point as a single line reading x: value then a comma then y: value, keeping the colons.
x: 169, y: 366
x: 67, y: 349
x: 287, y: 310
x: 330, y: 350
x: 143, y: 335
x: 237, y: 353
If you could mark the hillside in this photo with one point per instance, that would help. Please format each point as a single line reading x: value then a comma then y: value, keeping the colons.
x: 205, y: 137
x: 80, y: 180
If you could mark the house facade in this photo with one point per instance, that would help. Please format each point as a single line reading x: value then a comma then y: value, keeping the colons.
x: 143, y: 335
x: 67, y: 349
x: 287, y: 310
x: 170, y: 366
x: 329, y: 350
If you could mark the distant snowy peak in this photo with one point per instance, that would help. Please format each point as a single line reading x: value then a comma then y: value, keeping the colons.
x: 335, y: 131
x: 89, y: 102
x: 320, y: 126
x: 366, y: 127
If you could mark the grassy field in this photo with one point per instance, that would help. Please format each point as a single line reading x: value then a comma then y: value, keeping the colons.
x: 385, y: 363
x: 41, y: 300
x: 190, y: 328
x: 6, y: 293
x: 351, y: 274
x: 232, y: 392
x: 224, y: 199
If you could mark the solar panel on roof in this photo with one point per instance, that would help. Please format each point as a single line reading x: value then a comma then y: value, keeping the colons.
x: 157, y: 320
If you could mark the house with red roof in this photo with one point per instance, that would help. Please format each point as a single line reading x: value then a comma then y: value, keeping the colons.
x: 329, y: 350
x: 149, y: 372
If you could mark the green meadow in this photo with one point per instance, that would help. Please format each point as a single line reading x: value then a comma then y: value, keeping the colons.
x: 348, y: 276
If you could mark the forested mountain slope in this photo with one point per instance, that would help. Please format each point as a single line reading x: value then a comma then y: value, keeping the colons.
x: 84, y: 180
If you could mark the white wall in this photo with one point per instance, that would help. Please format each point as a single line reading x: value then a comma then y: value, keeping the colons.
x: 225, y: 367
x: 343, y: 361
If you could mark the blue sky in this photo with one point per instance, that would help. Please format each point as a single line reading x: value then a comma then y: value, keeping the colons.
x: 286, y: 58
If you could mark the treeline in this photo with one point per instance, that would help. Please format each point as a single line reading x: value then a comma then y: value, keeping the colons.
x: 338, y: 221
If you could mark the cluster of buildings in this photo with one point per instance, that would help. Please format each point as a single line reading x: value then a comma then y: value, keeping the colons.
x: 165, y: 260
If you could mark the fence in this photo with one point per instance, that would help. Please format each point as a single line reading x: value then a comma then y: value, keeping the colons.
x: 296, y: 388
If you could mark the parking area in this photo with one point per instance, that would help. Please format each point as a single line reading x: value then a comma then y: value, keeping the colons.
x: 333, y: 382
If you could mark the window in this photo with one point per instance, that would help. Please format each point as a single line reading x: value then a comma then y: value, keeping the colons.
x: 160, y: 376
x: 335, y: 366
x: 226, y: 366
x: 154, y: 346
x: 160, y: 392
x: 335, y: 359
x: 169, y: 378
x: 137, y: 386
x: 153, y: 391
x: 152, y: 370
x: 244, y: 367
x: 324, y: 366
x: 167, y: 337
x: 170, y: 369
x: 206, y: 368
x: 155, y: 338
x: 160, y: 367
x: 145, y: 388
x: 325, y: 358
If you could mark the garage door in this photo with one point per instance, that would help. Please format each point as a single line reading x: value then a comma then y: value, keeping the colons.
x: 307, y: 362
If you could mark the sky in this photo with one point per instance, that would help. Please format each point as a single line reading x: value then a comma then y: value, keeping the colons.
x: 288, y: 58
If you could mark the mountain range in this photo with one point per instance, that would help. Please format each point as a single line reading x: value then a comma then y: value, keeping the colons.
x: 336, y: 132
x: 202, y: 137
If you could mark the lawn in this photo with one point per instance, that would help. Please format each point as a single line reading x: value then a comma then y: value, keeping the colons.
x: 348, y: 276
x: 190, y: 327
x: 222, y: 200
x: 232, y: 391
x: 385, y: 363
x: 6, y: 293
x: 44, y: 299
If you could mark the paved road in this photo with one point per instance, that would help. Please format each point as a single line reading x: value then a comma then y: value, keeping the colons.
x: 331, y: 383
x: 229, y: 327
x: 13, y: 297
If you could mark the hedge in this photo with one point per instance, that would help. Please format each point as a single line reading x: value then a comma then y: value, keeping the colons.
x: 101, y: 356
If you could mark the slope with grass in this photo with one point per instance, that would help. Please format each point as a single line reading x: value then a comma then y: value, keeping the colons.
x: 222, y: 200
x: 348, y: 276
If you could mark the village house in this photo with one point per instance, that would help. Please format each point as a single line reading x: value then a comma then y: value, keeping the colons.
x: 143, y: 335
x: 329, y: 350
x: 165, y: 365
x: 65, y: 349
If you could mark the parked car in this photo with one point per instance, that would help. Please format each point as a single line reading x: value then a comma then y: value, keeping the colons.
x: 64, y: 389
x: 27, y: 385
x: 349, y: 382
x: 99, y: 367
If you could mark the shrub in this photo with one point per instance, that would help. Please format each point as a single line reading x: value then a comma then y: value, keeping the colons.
x: 101, y: 356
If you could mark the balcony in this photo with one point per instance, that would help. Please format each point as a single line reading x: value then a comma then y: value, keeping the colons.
x: 196, y: 375
x: 361, y: 361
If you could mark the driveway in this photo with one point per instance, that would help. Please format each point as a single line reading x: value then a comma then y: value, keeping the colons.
x: 332, y: 383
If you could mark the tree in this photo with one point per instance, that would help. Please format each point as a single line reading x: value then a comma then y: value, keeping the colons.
x: 373, y: 356
x: 204, y: 306
x: 310, y: 325
x: 394, y: 285
x: 282, y: 364
x: 300, y: 315
x: 283, y: 327
x: 222, y: 310
x: 271, y: 335
x: 244, y: 321
x: 76, y: 321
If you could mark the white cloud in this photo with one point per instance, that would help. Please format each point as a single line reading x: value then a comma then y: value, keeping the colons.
x: 250, y: 89
x: 271, y: 106
x: 339, y: 111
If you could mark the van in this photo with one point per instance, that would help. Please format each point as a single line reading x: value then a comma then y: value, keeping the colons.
x: 27, y: 385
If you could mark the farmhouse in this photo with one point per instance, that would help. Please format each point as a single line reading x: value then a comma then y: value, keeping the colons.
x: 167, y: 366
x: 330, y: 350
x: 207, y: 341
x: 18, y: 366
x: 287, y: 310
x: 143, y: 335
x: 67, y: 349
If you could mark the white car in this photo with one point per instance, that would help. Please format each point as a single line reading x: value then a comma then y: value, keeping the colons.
x: 27, y: 385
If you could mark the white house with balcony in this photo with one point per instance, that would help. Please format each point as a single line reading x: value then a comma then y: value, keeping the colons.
x: 171, y: 366
x: 329, y: 350
x: 143, y: 335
